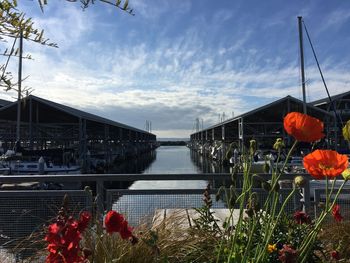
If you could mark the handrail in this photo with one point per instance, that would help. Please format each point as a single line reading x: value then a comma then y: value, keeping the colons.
x: 130, y: 177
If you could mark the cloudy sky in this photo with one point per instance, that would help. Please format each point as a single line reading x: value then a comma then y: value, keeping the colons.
x: 175, y: 61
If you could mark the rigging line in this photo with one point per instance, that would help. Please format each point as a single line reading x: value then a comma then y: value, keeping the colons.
x: 324, y: 82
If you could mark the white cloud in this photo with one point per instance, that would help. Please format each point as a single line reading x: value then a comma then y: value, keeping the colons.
x: 172, y: 82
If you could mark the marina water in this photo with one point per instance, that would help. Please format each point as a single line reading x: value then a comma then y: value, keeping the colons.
x: 169, y: 160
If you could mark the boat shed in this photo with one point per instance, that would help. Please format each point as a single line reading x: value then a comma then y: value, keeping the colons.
x: 340, y: 105
x: 45, y: 124
x: 4, y: 103
x: 264, y: 124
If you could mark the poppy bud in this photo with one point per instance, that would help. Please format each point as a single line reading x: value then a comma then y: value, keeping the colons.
x: 252, y: 147
x: 266, y: 167
x: 299, y: 181
x: 279, y: 144
x: 346, y: 174
x: 346, y: 131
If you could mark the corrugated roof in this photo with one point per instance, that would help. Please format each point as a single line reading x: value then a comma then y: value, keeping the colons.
x: 77, y: 113
x: 4, y: 102
x: 326, y: 100
x: 265, y: 107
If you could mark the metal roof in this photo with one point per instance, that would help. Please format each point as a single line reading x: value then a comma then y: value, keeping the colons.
x: 326, y: 100
x: 276, y: 102
x: 4, y: 102
x: 74, y: 112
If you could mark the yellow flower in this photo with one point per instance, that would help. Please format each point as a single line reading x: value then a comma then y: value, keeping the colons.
x: 271, y: 248
x: 346, y: 174
x: 346, y: 131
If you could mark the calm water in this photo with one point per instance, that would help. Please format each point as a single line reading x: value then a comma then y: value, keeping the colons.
x: 141, y: 207
x: 171, y: 160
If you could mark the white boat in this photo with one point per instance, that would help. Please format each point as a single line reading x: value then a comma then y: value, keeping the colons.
x: 14, y: 164
x: 27, y: 167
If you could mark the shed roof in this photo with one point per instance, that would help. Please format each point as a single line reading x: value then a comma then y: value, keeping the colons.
x: 52, y: 112
x: 334, y: 97
x: 4, y: 103
x: 273, y: 112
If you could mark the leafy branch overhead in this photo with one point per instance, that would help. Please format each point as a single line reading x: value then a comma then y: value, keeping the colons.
x: 13, y: 23
x: 122, y: 5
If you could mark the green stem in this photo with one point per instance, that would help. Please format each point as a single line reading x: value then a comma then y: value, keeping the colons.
x: 271, y: 215
x: 305, y: 247
x: 273, y: 227
x: 241, y: 198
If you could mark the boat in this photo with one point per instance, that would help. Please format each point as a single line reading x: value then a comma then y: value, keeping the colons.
x: 10, y: 163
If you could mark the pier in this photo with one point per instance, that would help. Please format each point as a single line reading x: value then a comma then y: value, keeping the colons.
x: 65, y: 134
x: 265, y: 125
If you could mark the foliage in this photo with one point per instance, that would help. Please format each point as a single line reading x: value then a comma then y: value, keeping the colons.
x: 13, y: 23
x: 336, y: 237
x: 122, y: 5
x: 263, y: 232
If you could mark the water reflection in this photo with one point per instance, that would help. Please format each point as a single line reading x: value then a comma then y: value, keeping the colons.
x: 171, y: 160
x: 205, y: 165
x: 140, y: 205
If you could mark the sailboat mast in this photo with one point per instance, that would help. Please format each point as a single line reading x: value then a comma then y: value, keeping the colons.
x: 19, y: 87
x: 302, y: 62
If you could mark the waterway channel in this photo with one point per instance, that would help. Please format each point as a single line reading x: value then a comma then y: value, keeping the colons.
x: 171, y: 160
x: 167, y: 160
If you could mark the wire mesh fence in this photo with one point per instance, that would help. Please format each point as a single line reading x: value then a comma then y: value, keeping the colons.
x: 343, y: 200
x: 139, y: 205
x: 25, y: 212
x: 23, y: 215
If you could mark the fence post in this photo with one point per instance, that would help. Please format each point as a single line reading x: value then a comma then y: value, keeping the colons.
x: 306, y: 196
x: 100, y: 197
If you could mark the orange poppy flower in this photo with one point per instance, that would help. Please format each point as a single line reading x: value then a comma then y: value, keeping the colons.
x: 321, y: 163
x: 303, y: 127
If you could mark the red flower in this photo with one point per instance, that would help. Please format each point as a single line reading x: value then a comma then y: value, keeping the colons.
x: 303, y: 127
x: 287, y: 254
x: 322, y: 163
x: 335, y: 255
x: 336, y: 213
x: 64, y: 241
x: 301, y: 218
x: 84, y: 220
x: 113, y: 221
x: 125, y: 230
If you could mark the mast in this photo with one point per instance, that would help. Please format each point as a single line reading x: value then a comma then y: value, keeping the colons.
x: 302, y: 71
x: 19, y: 87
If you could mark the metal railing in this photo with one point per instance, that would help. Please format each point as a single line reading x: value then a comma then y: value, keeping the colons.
x: 22, y: 211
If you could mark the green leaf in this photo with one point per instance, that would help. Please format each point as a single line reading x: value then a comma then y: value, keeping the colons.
x: 126, y: 4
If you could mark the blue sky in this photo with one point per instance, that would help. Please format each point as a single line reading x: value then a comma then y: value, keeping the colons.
x: 175, y: 61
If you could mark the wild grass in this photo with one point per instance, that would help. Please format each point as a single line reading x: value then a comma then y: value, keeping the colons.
x: 169, y: 241
x: 336, y: 236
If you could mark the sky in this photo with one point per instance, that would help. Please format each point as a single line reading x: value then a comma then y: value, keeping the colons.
x: 176, y: 61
